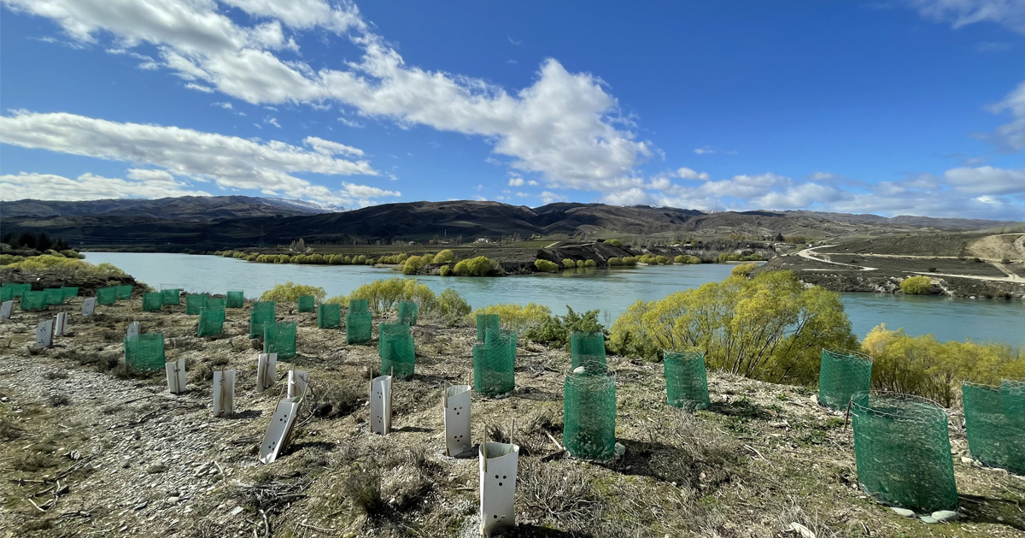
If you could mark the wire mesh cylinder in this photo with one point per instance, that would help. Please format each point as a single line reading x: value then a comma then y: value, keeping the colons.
x: 494, y: 363
x: 329, y: 316
x: 686, y: 380
x: 211, y: 322
x: 33, y: 300
x: 359, y: 305
x: 409, y: 312
x: 395, y: 346
x: 902, y: 451
x: 306, y: 303
x: 124, y: 292
x: 234, y: 299
x: 145, y: 351
x: 261, y: 316
x: 152, y: 301
x: 194, y: 302
x: 171, y: 297
x: 587, y: 348
x: 841, y: 375
x: 54, y: 296
x: 996, y: 436
x: 280, y: 338
x: 589, y: 407
x: 484, y: 323
x: 359, y: 327
x: 106, y: 296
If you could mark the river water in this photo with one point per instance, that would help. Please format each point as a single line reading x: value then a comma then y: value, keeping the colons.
x: 610, y: 291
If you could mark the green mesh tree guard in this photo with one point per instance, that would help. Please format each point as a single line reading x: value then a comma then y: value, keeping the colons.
x: 359, y: 305
x: 841, y: 375
x: 485, y: 322
x: 106, y: 296
x: 145, y: 351
x: 494, y: 362
x: 1013, y: 395
x: 54, y: 296
x: 33, y: 300
x: 124, y: 292
x: 69, y: 292
x: 408, y: 312
x: 215, y: 303
x: 194, y: 302
x: 211, y: 322
x: 329, y: 316
x: 152, y: 302
x: 280, y: 338
x: 586, y: 348
x: 995, y: 437
x: 359, y: 327
x: 686, y: 380
x: 18, y: 289
x: 589, y: 407
x: 306, y: 303
x: 902, y: 451
x: 6, y: 294
x: 395, y: 346
x: 171, y: 297
x: 235, y: 299
x: 261, y: 316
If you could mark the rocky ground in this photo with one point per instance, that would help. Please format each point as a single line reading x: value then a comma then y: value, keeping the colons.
x: 90, y: 449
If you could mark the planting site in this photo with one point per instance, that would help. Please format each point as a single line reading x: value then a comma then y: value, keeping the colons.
x: 89, y: 447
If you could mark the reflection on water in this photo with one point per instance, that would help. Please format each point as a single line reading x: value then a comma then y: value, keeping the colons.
x: 610, y: 291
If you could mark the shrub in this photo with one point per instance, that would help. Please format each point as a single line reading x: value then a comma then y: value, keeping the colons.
x: 513, y: 316
x: 428, y: 258
x: 445, y: 270
x: 630, y: 261
x: 920, y: 365
x: 661, y: 260
x: 687, y: 260
x: 445, y: 256
x: 289, y: 292
x: 744, y: 269
x: 589, y: 263
x: 767, y: 327
x: 66, y: 267
x: 383, y: 295
x: 614, y: 242
x: 916, y: 285
x: 413, y: 265
x: 555, y: 330
x: 615, y: 261
x: 451, y: 306
x: 546, y: 266
x: 568, y: 263
x: 479, y: 266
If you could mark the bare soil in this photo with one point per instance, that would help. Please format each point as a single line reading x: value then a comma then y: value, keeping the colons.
x: 89, y: 449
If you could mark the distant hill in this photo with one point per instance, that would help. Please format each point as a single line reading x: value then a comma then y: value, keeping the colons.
x: 188, y: 208
x: 214, y: 223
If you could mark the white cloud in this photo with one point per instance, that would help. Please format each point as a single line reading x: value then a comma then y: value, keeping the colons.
x: 687, y: 173
x: 550, y: 197
x: 986, y: 180
x: 146, y: 184
x: 516, y: 182
x: 707, y: 150
x: 272, y: 121
x: 199, y: 87
x: 532, y: 183
x: 1010, y: 13
x: 564, y: 126
x: 225, y: 105
x: 1012, y: 135
x: 230, y: 162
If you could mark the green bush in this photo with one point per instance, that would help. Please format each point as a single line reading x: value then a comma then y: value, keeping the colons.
x: 383, y: 295
x: 687, y: 260
x: 513, y: 316
x: 452, y: 307
x: 479, y: 266
x: 66, y: 268
x: 289, y: 292
x: 589, y: 263
x: 413, y: 265
x: 767, y: 327
x: 445, y: 256
x: 614, y: 242
x: 630, y: 261
x: 555, y: 330
x: 546, y: 266
x: 445, y: 270
x: 744, y: 269
x: 661, y: 260
x: 568, y: 263
x: 916, y: 285
x: 615, y: 261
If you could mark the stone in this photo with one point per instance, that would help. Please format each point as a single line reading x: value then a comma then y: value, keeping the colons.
x: 928, y: 519
x: 803, y: 531
x: 944, y: 515
x: 902, y: 511
x: 172, y: 500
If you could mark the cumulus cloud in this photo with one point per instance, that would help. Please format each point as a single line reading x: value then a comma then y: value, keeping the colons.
x: 230, y: 162
x: 564, y: 126
x: 687, y: 173
x: 516, y: 182
x: 1012, y: 135
x: 144, y: 184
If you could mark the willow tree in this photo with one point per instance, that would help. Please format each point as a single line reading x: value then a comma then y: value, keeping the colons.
x: 768, y: 327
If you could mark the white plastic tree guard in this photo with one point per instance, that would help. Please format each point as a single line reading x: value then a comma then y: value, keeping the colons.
x: 5, y: 309
x: 224, y: 393
x: 133, y: 329
x: 175, y: 376
x: 279, y: 430
x: 380, y: 405
x: 498, y: 463
x: 298, y: 380
x: 89, y: 306
x: 44, y: 334
x: 60, y: 328
x: 266, y: 371
x: 456, y: 401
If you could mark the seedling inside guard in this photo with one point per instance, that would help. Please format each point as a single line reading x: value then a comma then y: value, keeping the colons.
x: 44, y: 334
x: 380, y: 405
x: 279, y: 430
x: 175, y: 376
x: 266, y: 371
x: 498, y: 464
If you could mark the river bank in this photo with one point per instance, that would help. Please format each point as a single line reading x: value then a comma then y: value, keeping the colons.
x: 133, y: 459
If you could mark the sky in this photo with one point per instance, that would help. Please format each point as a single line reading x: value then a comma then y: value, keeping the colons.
x: 893, y: 107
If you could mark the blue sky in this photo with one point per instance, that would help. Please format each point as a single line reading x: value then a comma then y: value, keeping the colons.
x: 901, y: 107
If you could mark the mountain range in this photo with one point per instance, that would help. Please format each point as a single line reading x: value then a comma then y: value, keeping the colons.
x: 219, y: 222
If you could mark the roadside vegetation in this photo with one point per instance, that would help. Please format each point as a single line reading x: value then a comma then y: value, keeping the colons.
x: 916, y: 285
